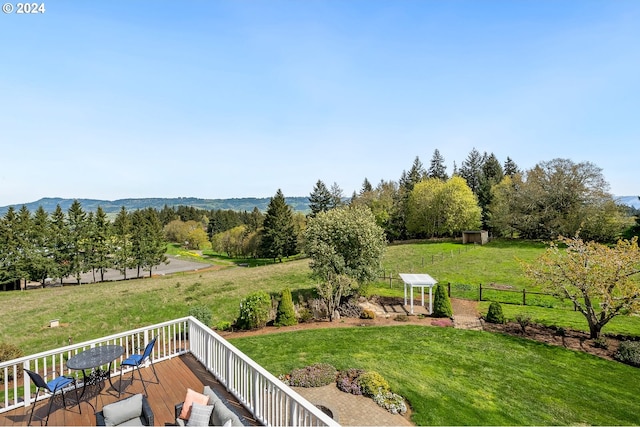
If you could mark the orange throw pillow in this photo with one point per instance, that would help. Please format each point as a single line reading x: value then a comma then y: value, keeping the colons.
x: 192, y: 396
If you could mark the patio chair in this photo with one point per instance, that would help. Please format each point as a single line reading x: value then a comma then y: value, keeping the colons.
x: 135, y: 360
x: 53, y: 386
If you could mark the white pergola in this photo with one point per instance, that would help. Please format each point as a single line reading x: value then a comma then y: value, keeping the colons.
x: 418, y: 281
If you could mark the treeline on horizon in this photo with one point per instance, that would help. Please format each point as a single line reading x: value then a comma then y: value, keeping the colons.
x: 556, y: 197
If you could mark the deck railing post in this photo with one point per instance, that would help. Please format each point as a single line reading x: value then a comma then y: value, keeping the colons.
x: 27, y: 386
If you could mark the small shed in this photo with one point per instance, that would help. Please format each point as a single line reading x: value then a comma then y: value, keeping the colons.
x: 475, y: 236
x: 418, y: 281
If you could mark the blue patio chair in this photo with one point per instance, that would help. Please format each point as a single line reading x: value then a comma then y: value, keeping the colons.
x: 53, y: 386
x: 135, y: 360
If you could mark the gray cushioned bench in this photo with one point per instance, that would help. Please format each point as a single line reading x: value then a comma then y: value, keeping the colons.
x: 222, y: 412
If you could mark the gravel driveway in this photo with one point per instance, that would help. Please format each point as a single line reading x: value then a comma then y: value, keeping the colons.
x: 174, y: 265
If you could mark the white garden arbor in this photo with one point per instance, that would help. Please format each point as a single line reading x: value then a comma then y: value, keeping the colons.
x: 418, y: 281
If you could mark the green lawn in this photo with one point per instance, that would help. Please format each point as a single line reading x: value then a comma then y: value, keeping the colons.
x: 450, y: 376
x: 134, y: 303
x: 457, y: 377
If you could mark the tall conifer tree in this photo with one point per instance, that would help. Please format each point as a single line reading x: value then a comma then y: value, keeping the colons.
x: 320, y: 199
x: 437, y: 169
x: 278, y: 233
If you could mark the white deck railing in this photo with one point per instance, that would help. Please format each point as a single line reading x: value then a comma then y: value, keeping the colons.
x: 269, y: 400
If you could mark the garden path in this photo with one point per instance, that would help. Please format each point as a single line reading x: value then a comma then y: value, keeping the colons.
x: 352, y: 410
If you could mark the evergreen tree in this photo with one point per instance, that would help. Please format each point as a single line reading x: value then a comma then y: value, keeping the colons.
x: 286, y: 314
x: 122, y: 253
x: 336, y: 196
x: 255, y: 220
x: 416, y: 174
x: 138, y: 237
x: 155, y: 247
x: 148, y: 247
x: 167, y: 214
x: 510, y: 167
x: 9, y: 249
x: 491, y: 175
x: 437, y: 169
x: 222, y: 220
x: 42, y: 263
x: 22, y: 232
x: 366, y: 187
x: 441, y: 302
x: 471, y: 170
x: 320, y: 199
x: 398, y: 217
x: 278, y: 234
x: 100, y: 243
x: 60, y: 244
x: 78, y: 234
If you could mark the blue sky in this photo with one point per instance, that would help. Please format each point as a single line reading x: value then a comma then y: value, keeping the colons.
x: 216, y: 99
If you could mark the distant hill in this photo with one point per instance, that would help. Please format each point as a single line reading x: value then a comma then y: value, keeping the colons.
x: 629, y: 201
x: 299, y: 204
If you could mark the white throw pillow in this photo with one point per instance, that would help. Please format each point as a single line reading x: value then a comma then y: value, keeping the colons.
x: 200, y: 415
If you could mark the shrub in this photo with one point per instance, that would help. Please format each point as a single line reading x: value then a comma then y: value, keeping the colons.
x: 443, y: 323
x: 286, y: 314
x: 305, y: 315
x: 441, y: 302
x: 629, y: 353
x: 523, y: 320
x: 494, y: 314
x: 392, y: 402
x: 371, y: 382
x: 368, y: 314
x: 601, y: 342
x: 202, y: 313
x: 347, y: 381
x: 401, y: 318
x: 254, y: 311
x: 223, y: 325
x: 9, y: 352
x: 317, y: 375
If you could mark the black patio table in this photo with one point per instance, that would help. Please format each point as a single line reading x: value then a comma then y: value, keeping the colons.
x: 94, y: 358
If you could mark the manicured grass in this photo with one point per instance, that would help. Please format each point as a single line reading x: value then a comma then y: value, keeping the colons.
x: 457, y: 377
x: 451, y: 377
x: 91, y: 311
x: 499, y: 262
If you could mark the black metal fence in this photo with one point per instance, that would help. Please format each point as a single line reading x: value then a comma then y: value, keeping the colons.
x: 503, y: 294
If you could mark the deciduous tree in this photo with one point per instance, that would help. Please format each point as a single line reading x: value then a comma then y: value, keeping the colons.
x: 438, y: 208
x: 601, y: 281
x: 560, y: 197
x: 345, y: 245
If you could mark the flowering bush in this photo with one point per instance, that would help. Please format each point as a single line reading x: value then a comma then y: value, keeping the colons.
x: 443, y: 323
x: 316, y: 375
x: 629, y: 353
x: 371, y: 382
x: 347, y: 381
x: 392, y: 402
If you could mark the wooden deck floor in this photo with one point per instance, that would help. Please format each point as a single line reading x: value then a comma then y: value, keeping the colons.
x: 176, y: 375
